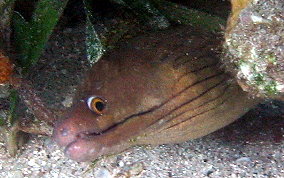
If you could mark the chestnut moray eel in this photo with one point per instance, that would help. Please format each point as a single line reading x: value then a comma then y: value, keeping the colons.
x: 164, y: 87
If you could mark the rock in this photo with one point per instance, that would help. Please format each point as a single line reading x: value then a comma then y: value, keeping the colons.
x: 68, y: 101
x: 16, y: 174
x: 209, y: 171
x: 102, y: 173
x: 254, y: 46
x: 243, y: 160
x: 4, y: 91
x: 136, y: 169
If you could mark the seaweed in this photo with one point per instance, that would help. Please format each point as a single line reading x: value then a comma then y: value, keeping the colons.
x: 31, y: 36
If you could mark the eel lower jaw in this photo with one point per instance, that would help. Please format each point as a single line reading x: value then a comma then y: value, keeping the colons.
x: 89, y: 147
x: 78, y: 149
x: 76, y: 146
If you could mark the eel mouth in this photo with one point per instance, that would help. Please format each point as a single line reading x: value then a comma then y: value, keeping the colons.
x: 84, y: 145
x: 83, y: 142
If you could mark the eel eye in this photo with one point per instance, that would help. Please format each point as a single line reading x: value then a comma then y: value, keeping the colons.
x: 96, y: 104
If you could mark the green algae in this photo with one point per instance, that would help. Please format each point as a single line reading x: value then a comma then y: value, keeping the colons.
x: 31, y: 36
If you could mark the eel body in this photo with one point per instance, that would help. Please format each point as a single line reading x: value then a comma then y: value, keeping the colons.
x: 164, y: 87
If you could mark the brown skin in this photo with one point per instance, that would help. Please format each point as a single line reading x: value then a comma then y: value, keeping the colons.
x: 165, y: 87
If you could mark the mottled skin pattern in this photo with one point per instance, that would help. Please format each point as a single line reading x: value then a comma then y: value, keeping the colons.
x: 165, y: 87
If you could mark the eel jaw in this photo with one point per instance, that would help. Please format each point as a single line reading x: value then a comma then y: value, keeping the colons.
x: 81, y: 145
x: 85, y: 148
x: 92, y: 147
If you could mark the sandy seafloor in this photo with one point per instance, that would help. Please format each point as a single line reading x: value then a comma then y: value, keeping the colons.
x: 251, y: 147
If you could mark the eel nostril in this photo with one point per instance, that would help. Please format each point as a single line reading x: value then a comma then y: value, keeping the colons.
x: 64, y: 132
x: 82, y: 135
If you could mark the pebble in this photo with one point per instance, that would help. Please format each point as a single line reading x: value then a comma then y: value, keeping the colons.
x: 3, y: 113
x: 15, y: 174
x: 243, y: 160
x: 209, y: 171
x: 120, y: 163
x: 180, y: 152
x: 102, y: 173
x: 136, y: 169
x: 4, y: 91
x: 64, y: 71
x: 68, y: 101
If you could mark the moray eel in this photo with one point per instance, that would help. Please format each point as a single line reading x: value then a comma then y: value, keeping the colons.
x: 163, y: 87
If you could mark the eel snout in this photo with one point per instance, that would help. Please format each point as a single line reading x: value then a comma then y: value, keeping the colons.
x: 82, y: 140
x: 78, y: 144
x: 75, y: 132
x: 86, y: 145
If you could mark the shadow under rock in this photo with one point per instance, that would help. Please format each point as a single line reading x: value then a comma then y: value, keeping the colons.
x: 264, y: 124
